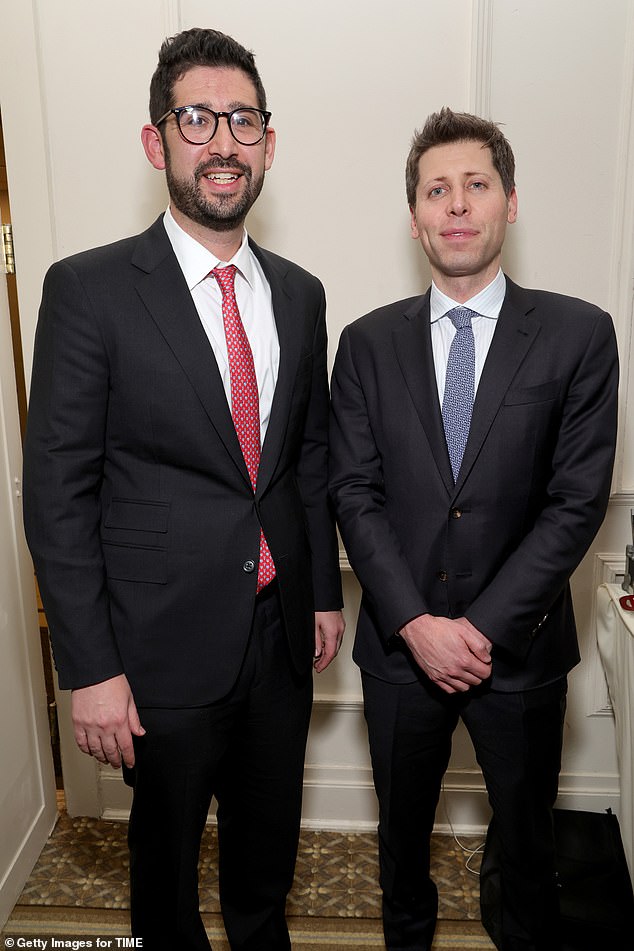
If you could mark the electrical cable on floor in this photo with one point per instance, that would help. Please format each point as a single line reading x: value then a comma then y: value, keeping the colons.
x: 468, y: 851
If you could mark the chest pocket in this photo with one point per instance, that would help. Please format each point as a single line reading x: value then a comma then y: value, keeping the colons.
x: 542, y: 393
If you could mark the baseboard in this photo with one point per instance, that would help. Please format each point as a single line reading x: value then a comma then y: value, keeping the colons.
x: 342, y: 799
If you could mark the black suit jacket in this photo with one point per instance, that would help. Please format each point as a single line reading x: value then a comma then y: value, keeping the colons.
x: 500, y: 546
x: 139, y: 511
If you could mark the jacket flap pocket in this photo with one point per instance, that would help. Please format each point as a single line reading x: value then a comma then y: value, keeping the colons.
x: 135, y: 563
x: 137, y: 516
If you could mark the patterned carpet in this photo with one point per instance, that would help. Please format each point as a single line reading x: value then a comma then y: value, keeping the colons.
x: 79, y: 886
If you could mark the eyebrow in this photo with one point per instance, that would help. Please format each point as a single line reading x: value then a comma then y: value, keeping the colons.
x: 230, y: 107
x: 442, y: 178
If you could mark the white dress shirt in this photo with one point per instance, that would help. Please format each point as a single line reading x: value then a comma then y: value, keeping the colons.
x: 487, y: 304
x: 253, y: 296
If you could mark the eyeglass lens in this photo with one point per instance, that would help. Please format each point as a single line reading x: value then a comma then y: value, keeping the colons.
x: 199, y: 125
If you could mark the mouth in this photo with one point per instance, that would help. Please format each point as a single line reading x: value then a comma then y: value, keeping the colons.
x: 222, y: 178
x: 222, y: 175
x: 459, y: 233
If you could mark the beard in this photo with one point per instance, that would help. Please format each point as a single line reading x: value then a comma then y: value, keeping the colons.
x: 222, y: 213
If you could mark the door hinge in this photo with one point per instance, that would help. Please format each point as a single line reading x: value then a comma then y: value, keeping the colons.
x: 7, y: 249
x: 52, y: 722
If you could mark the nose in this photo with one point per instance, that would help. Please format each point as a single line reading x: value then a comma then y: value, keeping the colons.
x: 459, y: 204
x: 222, y: 143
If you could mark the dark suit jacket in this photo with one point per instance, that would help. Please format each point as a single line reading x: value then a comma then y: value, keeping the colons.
x: 139, y: 511
x: 500, y: 546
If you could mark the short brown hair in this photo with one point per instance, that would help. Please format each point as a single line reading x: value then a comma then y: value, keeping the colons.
x: 198, y: 47
x: 445, y: 127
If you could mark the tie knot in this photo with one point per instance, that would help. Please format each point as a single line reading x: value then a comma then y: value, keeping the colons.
x: 225, y: 277
x: 461, y: 317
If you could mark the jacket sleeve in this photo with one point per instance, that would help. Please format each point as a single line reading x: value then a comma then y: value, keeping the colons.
x: 514, y: 606
x: 63, y: 464
x: 312, y: 477
x: 358, y: 490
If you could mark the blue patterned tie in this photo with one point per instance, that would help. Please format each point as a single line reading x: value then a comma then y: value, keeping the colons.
x: 457, y: 404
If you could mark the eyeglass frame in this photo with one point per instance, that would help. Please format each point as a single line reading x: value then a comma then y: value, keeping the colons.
x: 266, y: 116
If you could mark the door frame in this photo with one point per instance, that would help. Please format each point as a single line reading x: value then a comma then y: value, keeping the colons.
x: 31, y: 801
x: 35, y: 243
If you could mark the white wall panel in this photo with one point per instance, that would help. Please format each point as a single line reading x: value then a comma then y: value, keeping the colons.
x: 347, y: 85
x: 556, y: 84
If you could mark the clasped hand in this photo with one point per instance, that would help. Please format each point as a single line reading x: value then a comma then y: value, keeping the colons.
x: 452, y: 652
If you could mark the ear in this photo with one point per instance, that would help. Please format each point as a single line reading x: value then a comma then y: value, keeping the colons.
x: 269, y: 148
x: 511, y: 216
x: 413, y: 225
x: 153, y: 146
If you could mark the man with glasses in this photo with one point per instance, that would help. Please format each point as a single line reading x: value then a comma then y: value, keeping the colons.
x: 176, y: 508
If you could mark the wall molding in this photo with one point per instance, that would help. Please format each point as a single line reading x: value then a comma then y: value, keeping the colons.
x: 623, y: 497
x: 481, y: 57
x: 347, y: 703
x: 608, y: 568
x: 172, y: 17
x: 622, y: 256
x: 621, y: 278
x: 341, y: 798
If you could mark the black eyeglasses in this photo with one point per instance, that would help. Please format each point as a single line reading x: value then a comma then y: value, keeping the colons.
x: 198, y: 125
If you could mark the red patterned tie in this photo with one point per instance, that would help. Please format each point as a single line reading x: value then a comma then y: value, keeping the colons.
x: 245, y: 403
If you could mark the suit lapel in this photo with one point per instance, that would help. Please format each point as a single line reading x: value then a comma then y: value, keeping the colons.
x: 289, y: 337
x: 516, y: 330
x: 514, y: 335
x: 412, y: 342
x: 164, y: 292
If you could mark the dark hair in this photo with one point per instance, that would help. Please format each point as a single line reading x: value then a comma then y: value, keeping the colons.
x: 445, y: 127
x: 197, y: 47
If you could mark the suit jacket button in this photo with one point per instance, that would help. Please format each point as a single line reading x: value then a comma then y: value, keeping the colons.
x: 456, y: 513
x: 248, y: 566
x: 442, y: 575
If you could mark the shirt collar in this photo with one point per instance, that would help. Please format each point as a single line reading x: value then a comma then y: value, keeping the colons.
x: 196, y: 261
x: 487, y: 302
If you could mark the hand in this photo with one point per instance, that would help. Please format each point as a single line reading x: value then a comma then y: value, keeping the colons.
x: 329, y: 628
x: 453, y: 653
x: 104, y: 719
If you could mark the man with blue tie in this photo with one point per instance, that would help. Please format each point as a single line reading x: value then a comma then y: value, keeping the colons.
x: 472, y: 441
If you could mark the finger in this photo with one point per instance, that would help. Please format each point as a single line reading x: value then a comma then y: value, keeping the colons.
x: 481, y: 670
x: 96, y: 750
x: 112, y: 754
x: 330, y: 648
x: 134, y: 721
x: 125, y: 745
x: 478, y: 645
x: 461, y: 684
x: 322, y: 662
x: 82, y: 740
x: 126, y: 749
x: 458, y: 680
x: 446, y: 688
x: 319, y: 644
x: 457, y: 686
x: 473, y: 665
